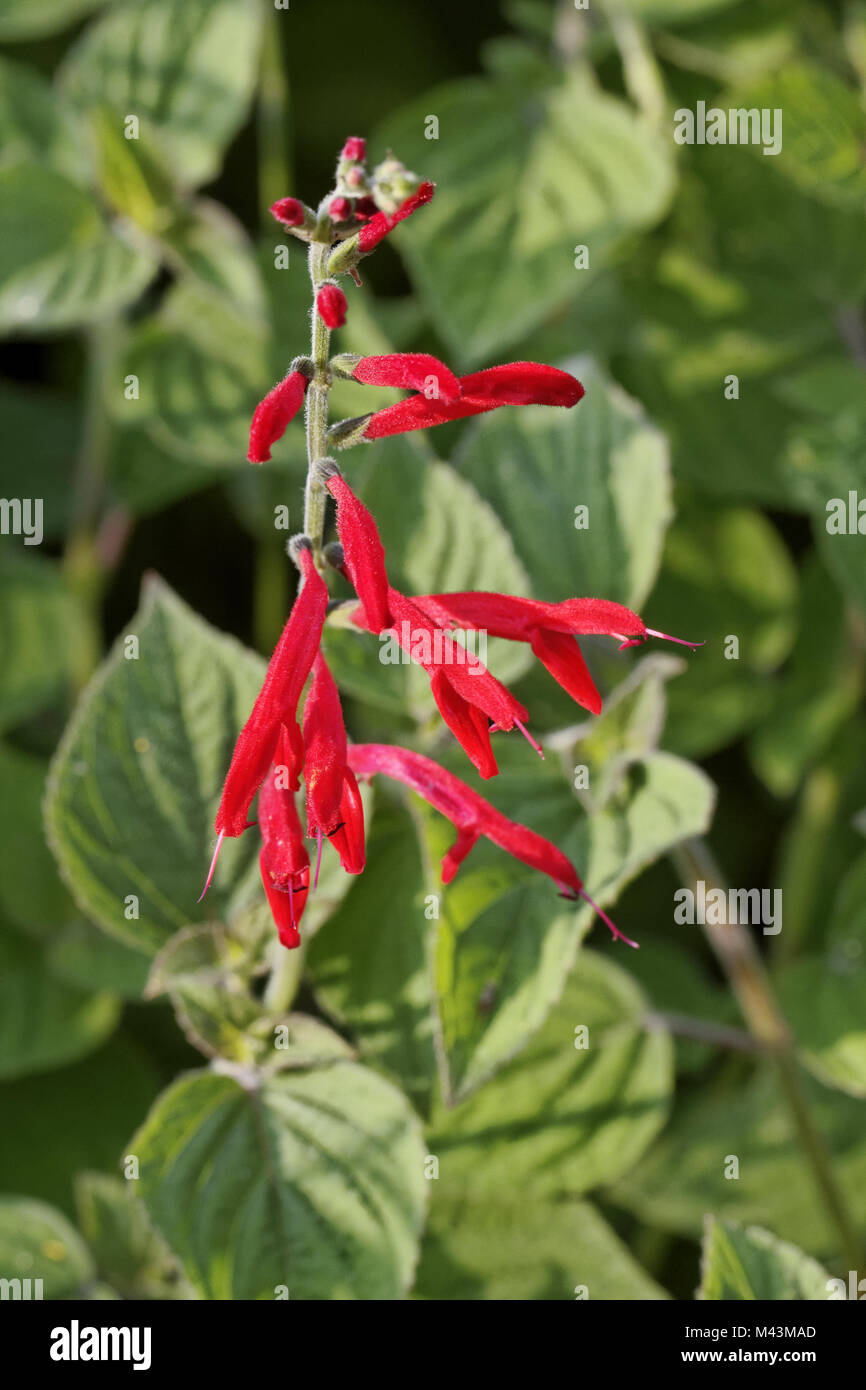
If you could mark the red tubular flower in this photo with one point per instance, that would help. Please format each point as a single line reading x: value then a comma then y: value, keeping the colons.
x: 334, y: 807
x: 465, y: 692
x: 331, y: 304
x: 514, y: 383
x: 364, y: 554
x: 416, y: 371
x: 275, y: 709
x: 290, y: 211
x: 274, y: 413
x: 472, y: 817
x: 283, y: 861
x: 382, y: 223
x: 549, y: 628
x: 355, y: 149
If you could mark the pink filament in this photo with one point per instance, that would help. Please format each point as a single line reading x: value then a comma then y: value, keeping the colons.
x: 604, y: 917
x: 210, y: 875
x: 528, y: 736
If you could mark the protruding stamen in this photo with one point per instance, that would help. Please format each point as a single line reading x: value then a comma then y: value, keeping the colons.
x: 210, y: 875
x: 528, y: 736
x: 604, y: 917
x: 666, y: 637
x: 319, y: 837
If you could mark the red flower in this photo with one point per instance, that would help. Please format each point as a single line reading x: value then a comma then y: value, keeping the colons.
x: 382, y: 222
x: 339, y: 209
x: 334, y: 806
x: 515, y: 383
x: 273, y: 719
x: 467, y: 695
x: 363, y: 552
x: 283, y: 861
x: 274, y: 413
x: 472, y: 817
x: 331, y: 304
x: 355, y: 149
x: 549, y: 628
x: 290, y: 211
x: 416, y: 371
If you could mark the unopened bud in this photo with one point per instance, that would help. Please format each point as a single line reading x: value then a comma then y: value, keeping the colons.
x: 345, y: 433
x: 295, y: 215
x: 331, y: 304
x: 355, y: 149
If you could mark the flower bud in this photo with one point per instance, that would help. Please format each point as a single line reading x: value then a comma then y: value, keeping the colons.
x: 355, y: 149
x: 331, y: 304
x: 345, y: 433
x: 340, y: 209
x: 294, y: 215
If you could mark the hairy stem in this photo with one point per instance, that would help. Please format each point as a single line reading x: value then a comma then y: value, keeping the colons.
x: 315, y: 497
x: 739, y: 958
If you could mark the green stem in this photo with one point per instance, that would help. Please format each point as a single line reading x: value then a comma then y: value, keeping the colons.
x: 84, y: 563
x: 641, y: 73
x: 315, y: 497
x: 739, y: 958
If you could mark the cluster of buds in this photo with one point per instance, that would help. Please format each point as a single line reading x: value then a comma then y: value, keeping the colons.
x: 274, y: 752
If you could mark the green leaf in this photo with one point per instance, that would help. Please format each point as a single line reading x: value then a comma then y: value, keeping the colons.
x: 81, y: 954
x: 820, y: 690
x: 311, y: 1182
x: 208, y: 242
x: 690, y: 1171
x: 482, y: 1250
x: 37, y: 1242
x: 209, y: 975
x: 201, y: 366
x: 131, y: 175
x: 33, y: 19
x: 35, y: 124
x: 128, y: 1252
x: 43, y: 628
x: 537, y: 465
x: 822, y: 994
x: 502, y: 950
x: 186, y: 68
x: 136, y: 780
x: 60, y: 264
x: 748, y: 1263
x: 581, y: 1102
x: 44, y: 1023
x: 369, y: 966
x: 726, y: 574
x: 520, y: 183
x: 824, y: 132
